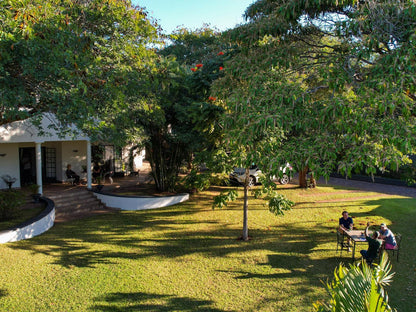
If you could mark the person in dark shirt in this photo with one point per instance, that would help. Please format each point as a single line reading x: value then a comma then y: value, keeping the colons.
x: 374, y: 245
x: 345, y: 224
x: 71, y: 174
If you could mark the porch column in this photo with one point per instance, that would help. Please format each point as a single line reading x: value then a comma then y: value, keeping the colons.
x: 38, y: 152
x: 88, y: 165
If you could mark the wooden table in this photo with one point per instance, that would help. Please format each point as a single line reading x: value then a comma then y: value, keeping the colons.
x: 356, y: 236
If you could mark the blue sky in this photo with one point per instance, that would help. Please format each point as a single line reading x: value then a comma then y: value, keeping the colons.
x: 222, y: 14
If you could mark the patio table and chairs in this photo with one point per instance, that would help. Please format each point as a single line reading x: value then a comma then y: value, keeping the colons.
x: 356, y: 237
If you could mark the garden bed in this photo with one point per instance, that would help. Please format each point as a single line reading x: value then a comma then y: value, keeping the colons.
x: 27, y: 211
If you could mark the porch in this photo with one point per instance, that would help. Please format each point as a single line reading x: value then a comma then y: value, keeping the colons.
x: 77, y: 201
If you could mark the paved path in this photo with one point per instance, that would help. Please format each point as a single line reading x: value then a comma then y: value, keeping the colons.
x: 368, y: 186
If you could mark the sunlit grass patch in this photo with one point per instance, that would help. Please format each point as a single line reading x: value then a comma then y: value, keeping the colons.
x: 188, y: 257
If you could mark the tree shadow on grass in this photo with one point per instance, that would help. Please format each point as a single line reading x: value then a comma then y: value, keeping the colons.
x: 68, y: 243
x: 139, y: 301
x: 400, y: 215
x: 3, y: 293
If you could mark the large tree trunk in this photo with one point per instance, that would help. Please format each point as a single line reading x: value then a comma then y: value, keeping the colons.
x: 165, y: 157
x: 302, y: 177
x: 245, y: 209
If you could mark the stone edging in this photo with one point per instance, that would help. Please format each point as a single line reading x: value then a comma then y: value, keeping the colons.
x: 32, y: 227
x: 139, y: 202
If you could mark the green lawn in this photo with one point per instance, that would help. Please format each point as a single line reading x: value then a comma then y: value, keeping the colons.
x: 187, y: 257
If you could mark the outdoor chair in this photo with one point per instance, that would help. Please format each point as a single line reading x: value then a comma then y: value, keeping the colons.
x: 397, y: 248
x: 340, y: 241
x: 68, y: 180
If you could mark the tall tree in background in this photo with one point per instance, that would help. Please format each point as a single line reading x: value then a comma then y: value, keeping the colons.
x: 325, y: 85
x: 82, y: 60
x: 179, y: 120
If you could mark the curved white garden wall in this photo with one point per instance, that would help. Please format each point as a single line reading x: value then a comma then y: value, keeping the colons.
x: 33, y: 227
x: 140, y: 203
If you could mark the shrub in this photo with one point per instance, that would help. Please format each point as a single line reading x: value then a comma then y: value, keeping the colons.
x: 220, y: 180
x: 197, y: 181
x: 10, y: 202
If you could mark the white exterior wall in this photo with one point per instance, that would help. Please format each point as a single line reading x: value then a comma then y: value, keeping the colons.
x: 140, y: 203
x: 138, y: 157
x: 9, y: 164
x: 19, y: 134
x: 75, y: 154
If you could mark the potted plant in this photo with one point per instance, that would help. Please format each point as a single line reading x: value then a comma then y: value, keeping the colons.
x: 34, y: 190
x: 99, y: 185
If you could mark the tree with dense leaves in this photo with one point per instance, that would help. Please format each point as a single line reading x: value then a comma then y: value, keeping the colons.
x: 180, y: 119
x: 85, y: 61
x: 327, y: 86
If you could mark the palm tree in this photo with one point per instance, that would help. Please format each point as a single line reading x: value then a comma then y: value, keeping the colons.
x: 359, y: 288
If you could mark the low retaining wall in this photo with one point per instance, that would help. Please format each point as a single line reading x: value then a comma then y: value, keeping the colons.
x: 139, y: 202
x: 32, y: 227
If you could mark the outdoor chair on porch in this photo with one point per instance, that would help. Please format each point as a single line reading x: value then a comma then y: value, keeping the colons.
x: 68, y: 179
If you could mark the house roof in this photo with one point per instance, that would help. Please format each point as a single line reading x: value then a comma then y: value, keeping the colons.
x: 29, y: 131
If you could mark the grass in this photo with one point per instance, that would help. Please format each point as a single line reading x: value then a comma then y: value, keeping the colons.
x: 188, y: 258
x: 30, y: 210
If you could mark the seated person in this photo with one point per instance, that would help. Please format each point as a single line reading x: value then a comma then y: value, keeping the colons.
x: 96, y: 171
x: 71, y: 174
x: 388, y: 237
x: 374, y: 245
x: 345, y: 224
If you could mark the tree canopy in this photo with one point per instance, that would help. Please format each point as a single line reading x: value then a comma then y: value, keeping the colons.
x: 325, y: 85
x: 85, y: 61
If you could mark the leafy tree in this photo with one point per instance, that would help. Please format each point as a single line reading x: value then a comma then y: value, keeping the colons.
x: 82, y: 60
x: 179, y: 119
x: 324, y: 85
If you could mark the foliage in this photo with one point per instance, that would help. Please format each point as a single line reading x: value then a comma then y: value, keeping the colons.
x: 197, y: 181
x: 359, y: 288
x: 82, y: 60
x: 277, y: 203
x: 33, y: 188
x: 191, y: 47
x: 322, y: 85
x: 179, y: 120
x: 10, y: 202
x: 224, y: 198
x: 220, y: 179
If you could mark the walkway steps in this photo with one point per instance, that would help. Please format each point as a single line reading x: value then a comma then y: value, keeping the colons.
x: 73, y: 204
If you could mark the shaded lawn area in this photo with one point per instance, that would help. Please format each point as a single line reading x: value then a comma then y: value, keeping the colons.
x: 187, y: 257
x: 27, y: 211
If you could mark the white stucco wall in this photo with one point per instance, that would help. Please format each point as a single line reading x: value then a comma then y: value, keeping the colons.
x: 69, y: 149
x: 9, y: 164
x: 75, y: 154
x: 140, y: 203
x: 24, y: 131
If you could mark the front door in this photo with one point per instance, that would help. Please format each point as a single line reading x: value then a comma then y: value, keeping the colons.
x: 27, y: 157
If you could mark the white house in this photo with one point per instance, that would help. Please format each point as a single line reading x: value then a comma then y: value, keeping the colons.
x: 31, y: 157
